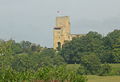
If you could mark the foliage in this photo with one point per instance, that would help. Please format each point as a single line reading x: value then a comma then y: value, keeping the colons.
x: 26, y: 61
x: 73, y: 51
x: 114, y: 69
x: 112, y: 45
x: 47, y: 57
x: 50, y: 57
x: 82, y: 71
x: 6, y: 53
x: 91, y: 63
x: 105, y: 69
x: 23, y: 62
x: 107, y: 48
x: 45, y: 73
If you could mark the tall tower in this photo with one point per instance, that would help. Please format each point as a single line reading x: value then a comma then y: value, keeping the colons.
x: 61, y: 31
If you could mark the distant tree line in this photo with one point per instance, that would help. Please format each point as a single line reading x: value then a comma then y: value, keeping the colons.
x: 106, y: 48
x: 93, y: 52
x: 27, y: 56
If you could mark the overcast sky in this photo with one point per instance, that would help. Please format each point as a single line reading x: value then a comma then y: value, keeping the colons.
x: 34, y: 20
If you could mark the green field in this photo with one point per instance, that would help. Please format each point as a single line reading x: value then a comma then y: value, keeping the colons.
x: 115, y: 69
x: 94, y: 78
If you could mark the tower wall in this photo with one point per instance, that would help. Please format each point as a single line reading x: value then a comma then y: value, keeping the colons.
x: 64, y: 23
x: 61, y: 31
x: 57, y: 37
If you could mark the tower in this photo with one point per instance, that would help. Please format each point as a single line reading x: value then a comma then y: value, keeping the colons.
x: 61, y: 31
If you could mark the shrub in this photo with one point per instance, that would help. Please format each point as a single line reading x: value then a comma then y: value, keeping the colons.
x: 82, y: 71
x: 59, y: 73
x: 91, y: 63
x: 45, y: 74
x: 105, y: 70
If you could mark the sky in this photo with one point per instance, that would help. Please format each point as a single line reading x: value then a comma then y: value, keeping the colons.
x: 34, y: 20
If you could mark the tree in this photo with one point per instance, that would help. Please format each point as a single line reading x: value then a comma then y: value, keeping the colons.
x: 116, y: 53
x: 72, y: 51
x: 24, y: 62
x: 50, y: 57
x: 6, y: 54
x: 25, y: 45
x: 91, y: 63
x: 112, y: 45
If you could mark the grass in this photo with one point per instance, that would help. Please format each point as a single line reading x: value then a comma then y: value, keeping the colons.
x: 115, y: 69
x: 94, y: 78
x: 73, y: 66
x: 115, y: 74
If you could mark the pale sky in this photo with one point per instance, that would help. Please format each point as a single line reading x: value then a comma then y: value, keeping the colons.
x: 34, y: 20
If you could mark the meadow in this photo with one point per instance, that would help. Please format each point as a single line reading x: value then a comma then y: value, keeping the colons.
x: 113, y: 77
x: 94, y: 78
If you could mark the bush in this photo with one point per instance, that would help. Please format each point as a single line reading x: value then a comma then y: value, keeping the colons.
x: 45, y: 74
x: 59, y: 73
x: 91, y: 63
x: 82, y: 71
x: 105, y: 70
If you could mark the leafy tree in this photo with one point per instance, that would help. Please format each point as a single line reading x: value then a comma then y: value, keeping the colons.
x: 112, y: 45
x: 106, y: 56
x: 16, y: 48
x: 116, y: 54
x: 91, y: 63
x: 6, y: 53
x: 24, y: 62
x: 73, y: 51
x: 50, y: 57
x: 25, y: 45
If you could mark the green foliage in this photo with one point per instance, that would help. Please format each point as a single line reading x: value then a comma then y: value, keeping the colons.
x: 116, y: 53
x: 82, y: 71
x: 23, y: 62
x: 44, y: 73
x: 50, y: 57
x: 47, y: 57
x: 106, y: 56
x: 114, y: 69
x: 27, y: 56
x: 91, y: 63
x: 6, y: 53
x: 105, y: 70
x: 26, y: 61
x: 106, y: 48
x: 15, y: 47
x: 73, y: 51
x: 58, y: 73
x: 7, y: 75
x: 25, y: 46
x: 112, y: 45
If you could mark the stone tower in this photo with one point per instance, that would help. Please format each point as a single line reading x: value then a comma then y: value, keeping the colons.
x: 61, y: 31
